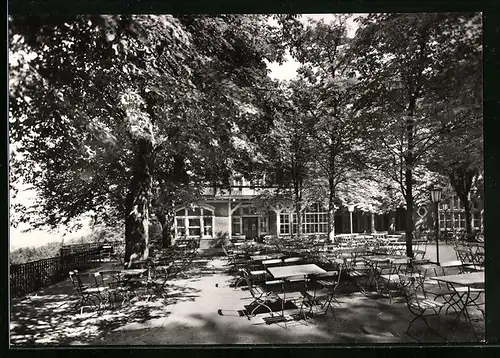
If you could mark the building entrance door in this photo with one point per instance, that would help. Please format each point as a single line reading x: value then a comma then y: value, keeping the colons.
x: 249, y: 227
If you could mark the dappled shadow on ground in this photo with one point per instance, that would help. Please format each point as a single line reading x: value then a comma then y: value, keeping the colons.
x: 203, y: 267
x: 51, y: 319
x: 358, y: 320
x: 189, y: 315
x: 378, y: 317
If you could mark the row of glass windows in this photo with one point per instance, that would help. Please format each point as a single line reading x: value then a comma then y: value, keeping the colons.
x: 194, y: 222
x: 312, y: 223
x: 445, y: 220
x: 448, y: 203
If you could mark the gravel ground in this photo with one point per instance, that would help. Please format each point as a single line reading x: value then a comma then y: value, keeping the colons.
x: 189, y: 316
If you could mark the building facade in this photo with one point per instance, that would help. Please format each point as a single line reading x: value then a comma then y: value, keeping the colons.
x: 238, y: 212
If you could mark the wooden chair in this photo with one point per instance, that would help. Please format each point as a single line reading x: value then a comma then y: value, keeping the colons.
x: 389, y: 276
x: 418, y: 305
x: 245, y: 274
x: 234, y: 258
x: 260, y: 298
x: 90, y: 296
x: 355, y: 269
x: 320, y: 298
x: 465, y: 255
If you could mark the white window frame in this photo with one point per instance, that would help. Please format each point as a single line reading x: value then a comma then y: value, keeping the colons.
x: 204, y: 210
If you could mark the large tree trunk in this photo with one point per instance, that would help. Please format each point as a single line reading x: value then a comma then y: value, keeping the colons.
x: 331, y: 210
x: 166, y: 222
x: 137, y: 204
x: 409, y: 181
x: 468, y: 215
x: 298, y: 207
x: 299, y: 219
x: 409, y: 213
x: 331, y: 191
x: 461, y: 179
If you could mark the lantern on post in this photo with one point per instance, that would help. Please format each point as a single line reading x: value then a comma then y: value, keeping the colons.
x: 436, y: 198
x: 350, y: 207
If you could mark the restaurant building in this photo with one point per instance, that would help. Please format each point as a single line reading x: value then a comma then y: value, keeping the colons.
x: 238, y: 212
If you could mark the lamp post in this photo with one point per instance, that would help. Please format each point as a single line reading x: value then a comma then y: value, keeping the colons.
x: 350, y: 207
x: 436, y: 198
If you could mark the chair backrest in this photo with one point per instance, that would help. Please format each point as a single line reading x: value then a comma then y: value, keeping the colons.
x: 330, y: 274
x: 77, y: 282
x: 454, y: 263
x: 99, y: 281
x: 464, y: 255
x: 224, y: 248
x: 408, y: 288
x: 243, y: 272
x: 272, y: 262
x: 419, y: 261
x: 295, y: 278
x: 340, y: 265
x: 292, y: 260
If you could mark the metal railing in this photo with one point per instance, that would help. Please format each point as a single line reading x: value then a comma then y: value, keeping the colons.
x: 32, y: 276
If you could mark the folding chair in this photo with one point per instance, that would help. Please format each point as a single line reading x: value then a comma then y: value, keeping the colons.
x: 261, y: 298
x: 290, y: 293
x: 327, y: 284
x: 234, y: 258
x: 390, y: 276
x: 418, y: 305
x: 420, y: 249
x: 115, y: 286
x: 159, y: 276
x: 478, y: 260
x: 89, y: 296
x: 254, y: 276
x: 464, y: 254
x: 292, y: 260
x: 355, y: 269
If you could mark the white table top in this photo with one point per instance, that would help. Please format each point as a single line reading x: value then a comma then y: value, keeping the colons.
x: 266, y: 257
x: 129, y: 272
x: 465, y: 279
x: 294, y: 270
x: 133, y: 272
x: 377, y: 258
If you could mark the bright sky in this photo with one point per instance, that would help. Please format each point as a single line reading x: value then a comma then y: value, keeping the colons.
x: 288, y: 70
x: 40, y: 237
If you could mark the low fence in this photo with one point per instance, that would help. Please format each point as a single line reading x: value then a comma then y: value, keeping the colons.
x: 32, y: 276
x: 76, y: 248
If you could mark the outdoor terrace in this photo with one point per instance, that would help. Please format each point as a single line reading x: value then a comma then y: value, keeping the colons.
x: 201, y: 305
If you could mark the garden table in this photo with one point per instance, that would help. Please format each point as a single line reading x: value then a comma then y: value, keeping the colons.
x: 267, y: 257
x: 376, y: 267
x: 133, y: 272
x: 124, y: 273
x: 293, y: 273
x: 295, y: 270
x: 456, y: 283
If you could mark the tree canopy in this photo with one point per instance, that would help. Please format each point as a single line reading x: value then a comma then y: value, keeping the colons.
x: 128, y: 116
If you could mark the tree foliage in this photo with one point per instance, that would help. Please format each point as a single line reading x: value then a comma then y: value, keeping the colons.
x: 408, y: 65
x: 115, y: 109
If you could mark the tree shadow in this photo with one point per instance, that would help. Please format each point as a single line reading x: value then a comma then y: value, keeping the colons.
x: 48, y: 319
x: 204, y: 266
x: 51, y: 319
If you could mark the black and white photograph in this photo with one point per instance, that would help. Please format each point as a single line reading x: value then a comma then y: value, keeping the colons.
x: 246, y: 179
